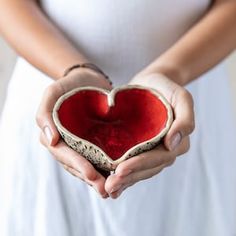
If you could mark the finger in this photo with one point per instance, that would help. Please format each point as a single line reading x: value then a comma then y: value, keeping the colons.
x: 55, y: 90
x: 73, y: 172
x: 181, y: 101
x: 73, y: 160
x: 183, y: 124
x: 64, y: 154
x: 132, y: 179
x: 44, y: 113
x: 117, y: 185
x: 77, y: 165
x: 151, y: 159
x: 143, y: 161
x: 116, y: 194
x: 116, y: 182
x: 98, y: 184
x: 145, y: 174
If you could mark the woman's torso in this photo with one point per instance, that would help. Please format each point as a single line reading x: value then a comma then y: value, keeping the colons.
x: 123, y: 37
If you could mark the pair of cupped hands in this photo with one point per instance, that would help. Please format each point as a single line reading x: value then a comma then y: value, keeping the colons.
x: 133, y: 170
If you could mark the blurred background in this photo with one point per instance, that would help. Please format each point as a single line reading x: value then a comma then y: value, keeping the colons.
x: 8, y: 58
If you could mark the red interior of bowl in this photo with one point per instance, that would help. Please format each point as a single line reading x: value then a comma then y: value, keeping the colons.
x: 137, y: 116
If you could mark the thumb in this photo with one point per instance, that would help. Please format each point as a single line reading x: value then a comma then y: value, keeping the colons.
x: 44, y: 117
x: 183, y: 124
x: 48, y: 127
x: 173, y: 142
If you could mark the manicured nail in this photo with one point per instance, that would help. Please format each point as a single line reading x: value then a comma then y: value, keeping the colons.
x: 116, y: 188
x: 176, y: 139
x: 48, y: 134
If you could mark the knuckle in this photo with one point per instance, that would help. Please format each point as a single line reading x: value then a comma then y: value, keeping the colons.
x: 89, y: 175
x: 190, y: 127
x: 39, y: 119
x: 55, y: 88
x: 187, y: 96
x: 186, y: 146
x: 123, y: 170
x: 81, y: 169
x: 124, y: 167
x: 49, y: 90
x: 171, y: 162
x: 167, y: 160
x: 88, y: 172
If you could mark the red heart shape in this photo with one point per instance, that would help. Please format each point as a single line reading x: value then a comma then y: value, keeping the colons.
x: 114, y: 121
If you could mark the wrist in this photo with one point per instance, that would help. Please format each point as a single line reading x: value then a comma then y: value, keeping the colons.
x: 86, y: 77
x: 173, y: 72
x: 87, y: 68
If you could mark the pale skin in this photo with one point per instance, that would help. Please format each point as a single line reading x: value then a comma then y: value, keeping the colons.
x: 34, y: 37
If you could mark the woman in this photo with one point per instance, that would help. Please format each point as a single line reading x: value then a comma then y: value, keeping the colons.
x: 160, y: 44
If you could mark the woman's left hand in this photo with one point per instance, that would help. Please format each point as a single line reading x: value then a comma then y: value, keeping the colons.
x: 176, y: 142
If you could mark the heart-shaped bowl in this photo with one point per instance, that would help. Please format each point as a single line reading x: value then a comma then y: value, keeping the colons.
x: 108, y: 127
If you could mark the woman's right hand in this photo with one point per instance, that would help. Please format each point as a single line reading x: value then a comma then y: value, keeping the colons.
x: 76, y: 164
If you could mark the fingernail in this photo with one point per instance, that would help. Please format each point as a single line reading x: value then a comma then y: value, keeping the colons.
x: 116, y: 188
x: 105, y: 195
x: 119, y: 193
x: 48, y: 134
x: 176, y: 139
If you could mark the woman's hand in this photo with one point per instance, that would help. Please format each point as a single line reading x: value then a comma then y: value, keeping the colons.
x: 176, y: 142
x: 50, y: 138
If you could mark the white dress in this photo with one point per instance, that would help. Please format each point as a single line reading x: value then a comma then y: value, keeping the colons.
x: 194, y: 197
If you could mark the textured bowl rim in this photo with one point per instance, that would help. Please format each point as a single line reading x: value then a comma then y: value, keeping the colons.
x: 111, y: 102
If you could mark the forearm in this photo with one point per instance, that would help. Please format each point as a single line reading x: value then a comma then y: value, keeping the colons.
x: 35, y: 38
x: 202, y: 47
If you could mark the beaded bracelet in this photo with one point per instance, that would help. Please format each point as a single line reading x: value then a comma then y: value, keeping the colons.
x: 89, y: 66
